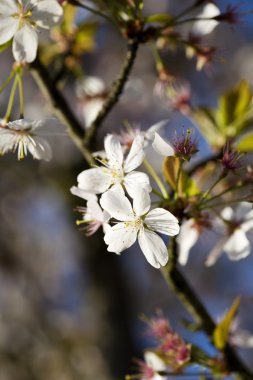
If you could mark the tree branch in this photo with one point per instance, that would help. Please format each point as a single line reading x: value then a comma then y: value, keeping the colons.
x: 195, y: 307
x: 116, y: 90
x: 60, y: 107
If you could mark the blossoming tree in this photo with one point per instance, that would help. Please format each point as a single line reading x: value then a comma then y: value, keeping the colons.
x: 122, y: 192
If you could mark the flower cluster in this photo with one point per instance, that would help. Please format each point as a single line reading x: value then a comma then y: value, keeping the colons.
x: 231, y: 225
x: 125, y: 201
x: 24, y: 136
x: 171, y: 352
x: 22, y: 20
x: 171, y: 347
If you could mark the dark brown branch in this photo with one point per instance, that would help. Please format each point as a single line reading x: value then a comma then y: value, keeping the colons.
x: 195, y: 307
x: 116, y: 90
x: 60, y: 107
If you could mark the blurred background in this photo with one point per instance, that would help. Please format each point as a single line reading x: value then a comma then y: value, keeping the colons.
x: 70, y: 310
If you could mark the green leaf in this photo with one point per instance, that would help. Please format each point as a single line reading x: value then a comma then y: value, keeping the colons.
x: 221, y: 332
x: 186, y: 185
x: 246, y: 143
x: 206, y: 121
x: 163, y: 18
x: 232, y: 107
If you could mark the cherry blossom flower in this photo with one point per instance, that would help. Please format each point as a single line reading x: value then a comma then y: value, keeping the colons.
x: 203, y: 27
x: 137, y: 222
x: 183, y: 146
x: 21, y: 20
x: 235, y: 242
x: 148, y: 369
x: 174, y: 350
x: 175, y: 92
x: 91, y: 92
x: 23, y: 135
x: 94, y: 217
x: 187, y: 238
x: 116, y: 169
x: 127, y: 137
x: 190, y: 232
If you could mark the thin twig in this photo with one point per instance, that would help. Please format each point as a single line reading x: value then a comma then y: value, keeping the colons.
x: 93, y: 10
x: 60, y: 107
x: 195, y: 307
x: 116, y: 90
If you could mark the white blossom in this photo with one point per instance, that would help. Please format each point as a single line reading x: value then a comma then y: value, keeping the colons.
x: 23, y: 135
x: 234, y: 242
x: 187, y: 238
x: 127, y: 136
x: 137, y: 222
x: 162, y: 147
x: 94, y: 217
x: 204, y: 27
x: 91, y: 94
x: 116, y: 170
x: 155, y: 364
x: 22, y: 20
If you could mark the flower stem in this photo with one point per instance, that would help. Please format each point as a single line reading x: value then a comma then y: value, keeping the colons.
x: 7, y: 80
x: 93, y: 10
x: 205, y: 201
x: 154, y: 191
x: 205, y: 195
x: 158, y: 60
x: 178, y: 178
x: 11, y: 99
x: 156, y: 178
x: 21, y: 95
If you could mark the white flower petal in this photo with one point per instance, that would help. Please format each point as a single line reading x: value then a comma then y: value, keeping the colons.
x: 136, y: 181
x: 25, y: 44
x: 113, y: 150
x: 227, y: 213
x: 39, y: 148
x: 153, y: 248
x: 82, y: 193
x: 216, y: 252
x: 154, y: 362
x: 162, y: 221
x: 94, y: 210
x: 117, y: 205
x: 141, y: 202
x: 26, y: 125
x: 91, y: 109
x: 136, y: 154
x: 96, y: 180
x: 237, y: 246
x: 91, y: 86
x: 247, y: 225
x: 47, y: 13
x: 203, y: 27
x: 150, y: 132
x: 243, y: 211
x: 8, y: 140
x: 8, y: 28
x: 120, y: 237
x: 162, y: 147
x: 243, y: 338
x: 8, y: 7
x: 186, y: 239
